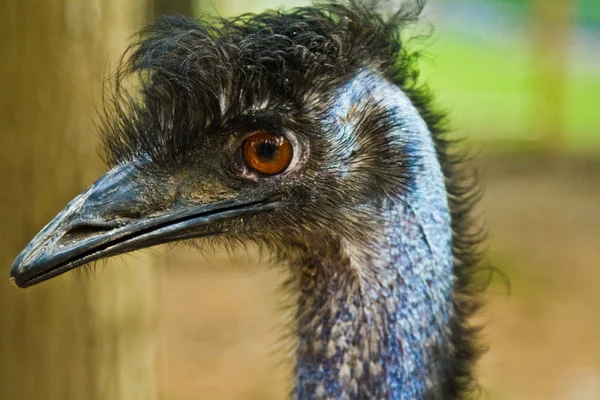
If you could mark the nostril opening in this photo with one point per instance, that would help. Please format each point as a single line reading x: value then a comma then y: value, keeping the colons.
x: 82, y: 231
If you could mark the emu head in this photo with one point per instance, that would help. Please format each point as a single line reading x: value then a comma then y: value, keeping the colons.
x: 273, y: 128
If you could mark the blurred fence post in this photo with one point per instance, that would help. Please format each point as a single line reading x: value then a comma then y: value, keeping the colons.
x: 183, y: 7
x: 552, y: 24
x: 80, y: 339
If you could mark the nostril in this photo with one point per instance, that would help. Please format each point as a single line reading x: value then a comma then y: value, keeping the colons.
x: 86, y: 230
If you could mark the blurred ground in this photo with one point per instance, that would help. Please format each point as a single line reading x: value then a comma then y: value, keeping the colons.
x: 220, y: 320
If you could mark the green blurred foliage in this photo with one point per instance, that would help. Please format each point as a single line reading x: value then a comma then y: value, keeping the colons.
x: 588, y: 12
x: 487, y: 88
x: 485, y: 76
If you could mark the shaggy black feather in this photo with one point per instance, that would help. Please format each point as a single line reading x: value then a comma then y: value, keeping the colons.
x: 187, y: 67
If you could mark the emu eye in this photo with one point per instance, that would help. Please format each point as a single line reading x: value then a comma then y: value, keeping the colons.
x: 266, y: 153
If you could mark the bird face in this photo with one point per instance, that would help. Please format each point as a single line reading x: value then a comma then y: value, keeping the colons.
x: 265, y: 130
x: 223, y: 190
x: 259, y: 183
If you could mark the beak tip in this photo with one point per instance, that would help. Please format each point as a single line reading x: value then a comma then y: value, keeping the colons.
x: 17, y: 271
x: 13, y: 281
x: 14, y: 276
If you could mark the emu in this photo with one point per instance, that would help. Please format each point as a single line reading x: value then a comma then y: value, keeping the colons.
x: 307, y: 132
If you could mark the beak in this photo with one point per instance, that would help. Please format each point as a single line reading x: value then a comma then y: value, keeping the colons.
x: 114, y: 217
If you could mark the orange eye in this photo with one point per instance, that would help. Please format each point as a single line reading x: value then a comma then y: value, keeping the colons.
x: 266, y: 153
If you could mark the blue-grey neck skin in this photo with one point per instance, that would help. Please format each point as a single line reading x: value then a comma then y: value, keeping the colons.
x: 378, y: 317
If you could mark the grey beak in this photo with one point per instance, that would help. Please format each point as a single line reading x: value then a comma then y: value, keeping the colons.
x: 114, y: 217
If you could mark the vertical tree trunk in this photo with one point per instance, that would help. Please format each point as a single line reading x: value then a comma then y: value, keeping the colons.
x: 552, y: 22
x: 81, y: 339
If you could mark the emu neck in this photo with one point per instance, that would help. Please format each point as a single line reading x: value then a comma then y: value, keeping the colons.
x: 373, y: 322
x: 372, y: 327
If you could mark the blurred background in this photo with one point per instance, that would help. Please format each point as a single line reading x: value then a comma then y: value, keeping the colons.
x: 521, y: 80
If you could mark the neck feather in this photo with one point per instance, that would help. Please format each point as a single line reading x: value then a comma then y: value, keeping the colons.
x: 374, y: 321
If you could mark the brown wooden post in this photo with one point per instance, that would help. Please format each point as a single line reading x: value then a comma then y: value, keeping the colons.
x: 69, y: 338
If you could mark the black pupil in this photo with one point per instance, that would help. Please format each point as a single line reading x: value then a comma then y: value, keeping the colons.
x: 267, y: 149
